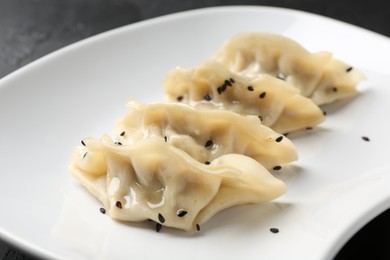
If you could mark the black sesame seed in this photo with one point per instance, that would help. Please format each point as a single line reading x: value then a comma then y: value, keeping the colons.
x: 262, y: 95
x: 207, y: 97
x: 277, y: 168
x: 85, y: 155
x: 365, y: 138
x: 324, y: 113
x: 334, y: 89
x: 179, y: 98
x: 161, y: 218
x: 279, y: 139
x: 123, y: 133
x: 197, y: 227
x: 181, y: 213
x: 349, y: 69
x: 274, y: 230
x: 102, y: 210
x: 261, y: 118
x: 82, y: 142
x: 209, y: 144
x: 118, y: 204
x: 221, y: 89
x: 309, y: 128
x: 118, y: 143
x: 232, y: 80
x: 158, y: 227
x: 250, y: 88
x: 285, y: 134
x: 207, y: 162
x: 227, y: 83
x: 165, y: 138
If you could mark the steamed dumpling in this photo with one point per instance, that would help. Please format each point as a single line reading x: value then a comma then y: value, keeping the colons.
x: 205, y: 134
x: 154, y: 180
x: 317, y: 75
x: 211, y: 85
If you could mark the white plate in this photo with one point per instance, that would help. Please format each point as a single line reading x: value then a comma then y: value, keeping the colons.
x: 339, y: 183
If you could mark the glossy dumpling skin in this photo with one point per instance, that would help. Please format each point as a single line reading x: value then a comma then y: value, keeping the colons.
x: 276, y: 102
x: 317, y: 75
x: 154, y: 180
x: 205, y: 134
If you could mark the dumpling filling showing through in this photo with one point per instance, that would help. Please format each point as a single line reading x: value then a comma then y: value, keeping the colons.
x: 205, y: 134
x: 277, y: 103
x: 317, y: 75
x: 154, y: 180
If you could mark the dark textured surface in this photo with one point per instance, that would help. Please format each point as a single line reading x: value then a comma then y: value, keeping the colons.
x: 30, y: 29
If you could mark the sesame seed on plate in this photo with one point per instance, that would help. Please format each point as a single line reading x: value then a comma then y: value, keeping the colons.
x: 158, y: 227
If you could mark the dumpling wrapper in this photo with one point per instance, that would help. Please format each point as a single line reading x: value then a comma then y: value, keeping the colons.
x: 205, y: 134
x: 317, y: 75
x: 212, y: 85
x: 154, y: 180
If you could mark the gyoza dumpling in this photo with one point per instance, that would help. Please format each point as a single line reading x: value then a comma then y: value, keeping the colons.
x: 205, y: 134
x: 317, y: 75
x: 154, y: 180
x: 277, y: 103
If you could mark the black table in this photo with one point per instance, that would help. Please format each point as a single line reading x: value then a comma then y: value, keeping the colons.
x: 30, y: 29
